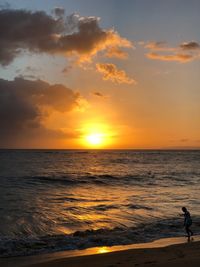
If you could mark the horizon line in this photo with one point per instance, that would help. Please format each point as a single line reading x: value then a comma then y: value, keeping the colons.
x: 164, y: 148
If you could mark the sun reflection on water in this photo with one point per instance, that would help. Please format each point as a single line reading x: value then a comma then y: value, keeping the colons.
x: 103, y: 250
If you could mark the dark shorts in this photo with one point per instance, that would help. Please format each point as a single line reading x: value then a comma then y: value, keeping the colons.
x: 188, y: 224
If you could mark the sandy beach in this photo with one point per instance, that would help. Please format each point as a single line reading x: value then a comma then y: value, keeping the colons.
x: 164, y: 252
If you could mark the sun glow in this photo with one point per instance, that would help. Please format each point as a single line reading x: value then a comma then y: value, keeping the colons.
x: 95, y: 139
x: 96, y: 136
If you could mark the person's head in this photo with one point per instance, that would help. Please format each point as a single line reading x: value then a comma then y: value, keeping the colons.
x: 184, y: 209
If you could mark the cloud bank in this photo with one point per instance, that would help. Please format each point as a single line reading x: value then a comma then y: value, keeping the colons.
x: 24, y: 105
x: 39, y: 32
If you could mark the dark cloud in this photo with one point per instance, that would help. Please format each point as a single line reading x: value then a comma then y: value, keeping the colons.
x: 38, y: 32
x: 98, y: 94
x: 190, y: 45
x: 67, y: 69
x: 20, y: 29
x: 24, y: 105
x: 59, y: 11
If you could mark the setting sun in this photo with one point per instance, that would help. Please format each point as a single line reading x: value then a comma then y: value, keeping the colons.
x: 95, y: 139
x: 96, y: 135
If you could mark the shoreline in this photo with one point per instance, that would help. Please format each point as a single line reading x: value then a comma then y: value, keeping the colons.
x: 104, y: 255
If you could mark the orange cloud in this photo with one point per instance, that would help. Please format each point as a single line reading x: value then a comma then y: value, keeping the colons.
x: 185, y: 52
x: 183, y: 58
x: 116, y: 52
x: 158, y: 46
x: 110, y: 72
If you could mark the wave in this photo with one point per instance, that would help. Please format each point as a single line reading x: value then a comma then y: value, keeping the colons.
x: 105, y: 207
x: 137, y: 207
x: 101, y: 179
x: 147, y: 178
x: 77, y: 199
x: 92, y: 238
x: 142, y: 180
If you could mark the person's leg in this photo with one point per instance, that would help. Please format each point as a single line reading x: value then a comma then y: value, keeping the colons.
x: 187, y: 230
x: 190, y: 231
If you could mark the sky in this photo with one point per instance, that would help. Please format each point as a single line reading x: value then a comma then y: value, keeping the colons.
x: 100, y: 74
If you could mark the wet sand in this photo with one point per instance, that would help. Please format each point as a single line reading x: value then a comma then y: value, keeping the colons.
x: 173, y: 252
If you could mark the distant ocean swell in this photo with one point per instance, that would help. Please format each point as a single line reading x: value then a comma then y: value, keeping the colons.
x: 143, y: 179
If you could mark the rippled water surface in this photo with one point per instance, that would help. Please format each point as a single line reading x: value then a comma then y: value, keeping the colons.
x: 66, y: 199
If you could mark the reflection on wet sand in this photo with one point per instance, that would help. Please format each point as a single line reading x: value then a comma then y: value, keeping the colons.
x: 25, y: 261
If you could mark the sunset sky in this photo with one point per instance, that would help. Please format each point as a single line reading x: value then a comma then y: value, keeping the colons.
x: 100, y: 74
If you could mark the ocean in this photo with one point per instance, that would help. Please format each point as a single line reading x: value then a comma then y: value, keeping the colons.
x: 52, y: 200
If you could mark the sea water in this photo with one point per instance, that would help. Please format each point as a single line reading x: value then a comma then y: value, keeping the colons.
x: 54, y: 200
